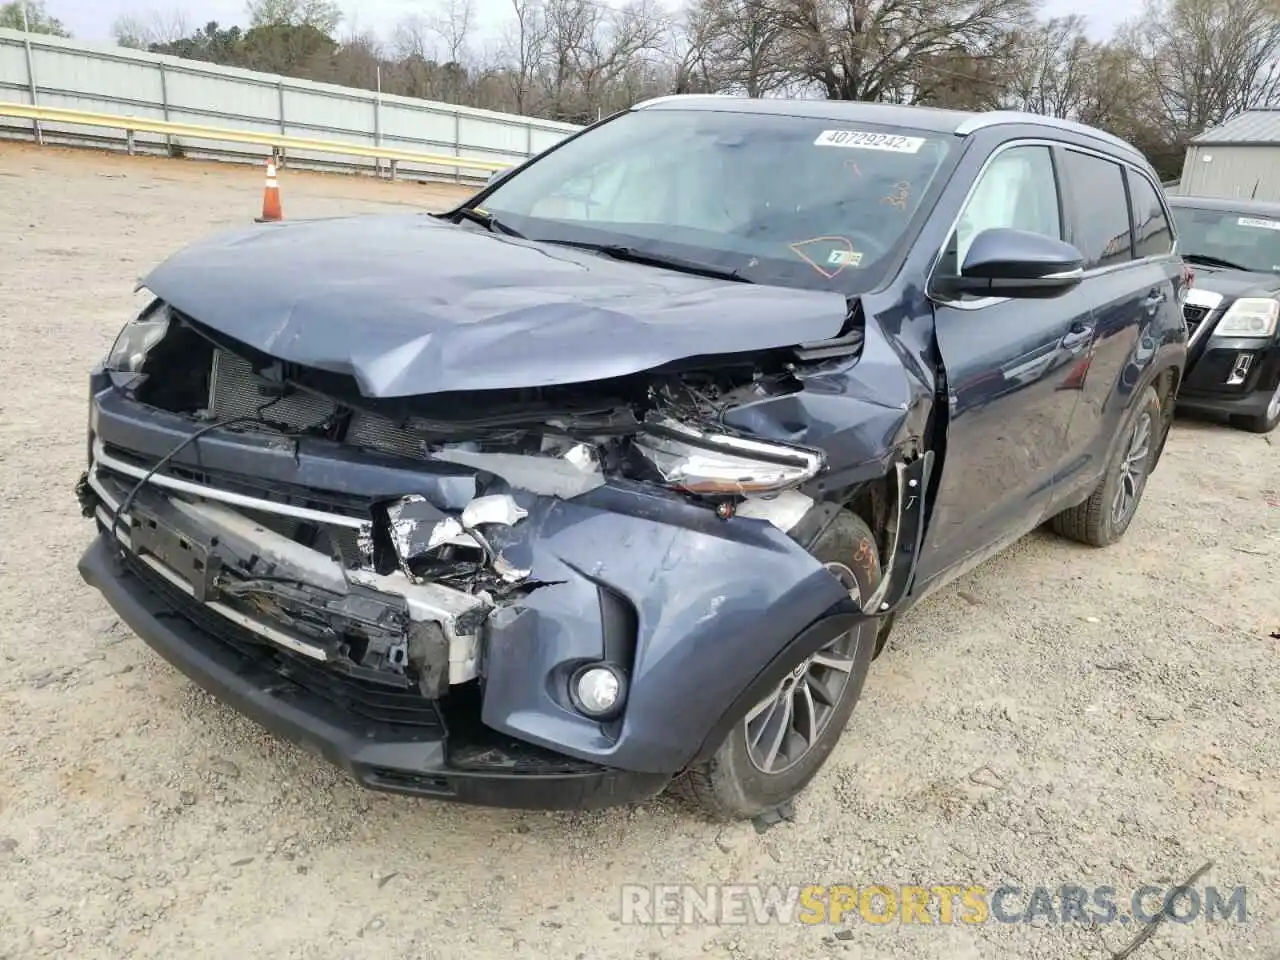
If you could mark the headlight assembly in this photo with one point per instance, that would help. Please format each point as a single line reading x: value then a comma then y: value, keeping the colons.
x: 1249, y: 317
x: 714, y: 463
x: 139, y: 335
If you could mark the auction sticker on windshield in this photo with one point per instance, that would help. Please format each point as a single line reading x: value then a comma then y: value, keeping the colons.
x: 865, y: 140
x: 1259, y: 223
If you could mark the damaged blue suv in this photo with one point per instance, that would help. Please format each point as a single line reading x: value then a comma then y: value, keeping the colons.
x: 617, y: 475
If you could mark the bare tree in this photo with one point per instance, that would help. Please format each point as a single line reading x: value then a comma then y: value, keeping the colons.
x: 747, y: 44
x: 525, y: 47
x: 452, y: 24
x: 413, y: 37
x: 690, y: 52
x: 592, y: 47
x: 1051, y: 67
x: 142, y: 29
x: 873, y: 49
x: 1205, y: 60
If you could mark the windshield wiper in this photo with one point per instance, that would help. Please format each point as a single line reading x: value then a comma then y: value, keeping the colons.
x: 488, y: 221
x: 617, y: 251
x: 1211, y: 261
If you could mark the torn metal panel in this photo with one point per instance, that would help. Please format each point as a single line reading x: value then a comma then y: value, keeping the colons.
x: 494, y: 508
x: 784, y: 510
x: 417, y: 527
x: 539, y: 475
x: 507, y: 571
x: 583, y: 456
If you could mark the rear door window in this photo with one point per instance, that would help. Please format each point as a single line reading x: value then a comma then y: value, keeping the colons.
x: 1101, y: 208
x: 1152, y: 234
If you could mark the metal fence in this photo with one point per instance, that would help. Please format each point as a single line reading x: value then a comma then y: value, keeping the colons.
x: 52, y: 72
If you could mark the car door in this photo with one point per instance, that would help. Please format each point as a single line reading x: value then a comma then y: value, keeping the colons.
x: 1008, y: 364
x: 1116, y: 218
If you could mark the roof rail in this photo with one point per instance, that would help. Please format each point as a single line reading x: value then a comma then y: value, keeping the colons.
x: 995, y: 118
x: 685, y: 96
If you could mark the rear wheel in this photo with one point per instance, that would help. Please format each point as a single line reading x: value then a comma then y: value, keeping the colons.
x: 1263, y: 422
x: 784, y: 739
x: 1103, y: 519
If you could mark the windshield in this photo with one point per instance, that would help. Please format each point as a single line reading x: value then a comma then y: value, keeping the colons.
x: 1249, y: 241
x: 775, y: 199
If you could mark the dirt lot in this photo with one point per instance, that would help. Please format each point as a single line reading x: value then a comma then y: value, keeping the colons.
x: 1059, y: 716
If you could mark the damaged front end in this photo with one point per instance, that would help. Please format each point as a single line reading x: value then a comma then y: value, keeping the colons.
x: 416, y: 584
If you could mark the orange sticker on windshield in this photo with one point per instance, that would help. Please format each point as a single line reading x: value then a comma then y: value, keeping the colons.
x: 900, y: 196
x: 836, y: 260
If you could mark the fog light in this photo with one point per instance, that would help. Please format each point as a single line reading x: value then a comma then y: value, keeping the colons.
x: 598, y: 690
x: 1240, y: 369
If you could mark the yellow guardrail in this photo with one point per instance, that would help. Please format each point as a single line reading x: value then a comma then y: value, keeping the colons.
x: 191, y: 131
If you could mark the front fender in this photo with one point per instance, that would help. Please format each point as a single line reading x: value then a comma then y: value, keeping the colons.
x: 714, y: 602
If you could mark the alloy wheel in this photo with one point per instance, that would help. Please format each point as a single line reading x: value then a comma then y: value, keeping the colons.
x: 1273, y: 408
x: 1133, y: 470
x: 783, y: 727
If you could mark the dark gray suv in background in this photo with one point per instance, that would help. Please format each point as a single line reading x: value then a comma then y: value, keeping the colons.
x: 617, y: 474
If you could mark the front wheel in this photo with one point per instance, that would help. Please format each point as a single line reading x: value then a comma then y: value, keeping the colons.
x: 1263, y: 422
x: 773, y: 753
x: 1103, y: 519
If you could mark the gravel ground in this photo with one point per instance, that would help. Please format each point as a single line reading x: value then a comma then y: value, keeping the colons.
x: 1059, y: 715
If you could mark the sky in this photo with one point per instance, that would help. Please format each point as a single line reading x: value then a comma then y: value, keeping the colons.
x: 92, y: 19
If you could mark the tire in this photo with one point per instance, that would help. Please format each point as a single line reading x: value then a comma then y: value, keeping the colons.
x: 733, y: 783
x: 1099, y: 521
x: 1263, y: 422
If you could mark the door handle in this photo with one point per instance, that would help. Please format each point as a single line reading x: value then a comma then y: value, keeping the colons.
x: 1077, y: 337
x: 1153, y: 300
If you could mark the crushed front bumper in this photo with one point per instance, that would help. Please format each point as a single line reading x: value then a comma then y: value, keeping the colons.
x: 698, y: 610
x: 382, y: 755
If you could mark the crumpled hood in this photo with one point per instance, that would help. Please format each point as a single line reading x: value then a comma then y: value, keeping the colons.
x: 1235, y: 283
x: 410, y: 304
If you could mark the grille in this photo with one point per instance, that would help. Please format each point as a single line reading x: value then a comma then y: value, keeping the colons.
x: 1194, y: 316
x: 372, y: 701
x: 236, y: 391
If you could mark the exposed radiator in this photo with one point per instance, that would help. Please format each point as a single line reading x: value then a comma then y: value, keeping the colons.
x: 381, y: 433
x: 235, y: 391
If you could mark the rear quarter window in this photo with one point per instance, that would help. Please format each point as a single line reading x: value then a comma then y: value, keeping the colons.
x: 1152, y: 233
x: 1100, y: 207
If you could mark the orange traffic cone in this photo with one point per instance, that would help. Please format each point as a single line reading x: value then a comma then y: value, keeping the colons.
x: 271, y: 209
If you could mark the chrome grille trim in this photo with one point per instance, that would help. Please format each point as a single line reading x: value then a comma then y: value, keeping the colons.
x: 102, y: 458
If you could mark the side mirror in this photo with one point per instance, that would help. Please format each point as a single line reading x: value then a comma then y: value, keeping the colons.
x: 497, y: 175
x: 1003, y: 262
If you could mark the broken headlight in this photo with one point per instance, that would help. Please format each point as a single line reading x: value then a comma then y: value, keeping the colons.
x: 139, y: 335
x: 715, y: 463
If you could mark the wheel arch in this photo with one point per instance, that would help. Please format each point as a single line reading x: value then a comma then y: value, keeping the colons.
x: 1166, y: 379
